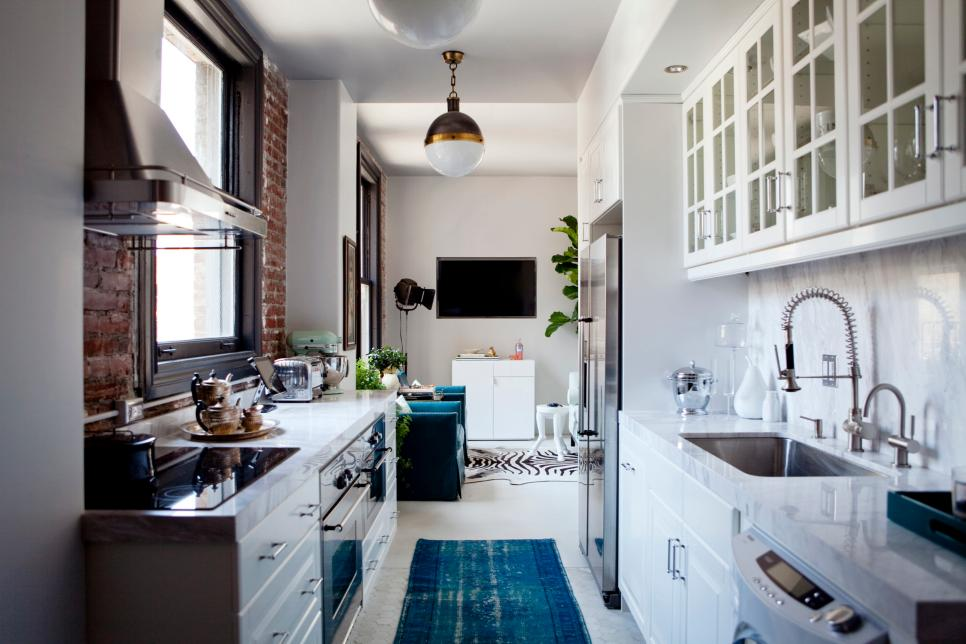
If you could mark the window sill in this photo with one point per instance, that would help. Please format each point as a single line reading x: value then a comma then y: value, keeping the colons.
x: 173, y: 377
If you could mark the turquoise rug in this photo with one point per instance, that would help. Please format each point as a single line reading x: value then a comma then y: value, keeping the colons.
x: 493, y: 592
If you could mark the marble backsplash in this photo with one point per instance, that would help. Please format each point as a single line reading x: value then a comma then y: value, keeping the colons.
x: 909, y: 304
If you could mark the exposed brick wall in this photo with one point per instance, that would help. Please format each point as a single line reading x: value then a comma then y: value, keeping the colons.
x: 110, y: 277
x: 274, y: 159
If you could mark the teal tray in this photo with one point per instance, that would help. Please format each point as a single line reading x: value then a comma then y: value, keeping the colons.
x: 929, y: 514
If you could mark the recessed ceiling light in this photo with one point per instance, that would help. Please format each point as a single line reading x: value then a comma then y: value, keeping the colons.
x: 676, y: 69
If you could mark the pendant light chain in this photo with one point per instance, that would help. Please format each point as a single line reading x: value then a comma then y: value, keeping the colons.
x: 452, y: 80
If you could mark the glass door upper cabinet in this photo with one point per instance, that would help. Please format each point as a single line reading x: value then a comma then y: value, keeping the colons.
x: 761, y: 132
x: 697, y: 231
x: 894, y: 59
x: 953, y: 104
x: 814, y: 195
x: 723, y: 181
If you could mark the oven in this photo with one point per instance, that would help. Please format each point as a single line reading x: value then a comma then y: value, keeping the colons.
x: 375, y: 470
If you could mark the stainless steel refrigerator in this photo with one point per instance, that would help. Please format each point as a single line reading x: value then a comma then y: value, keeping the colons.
x: 600, y: 402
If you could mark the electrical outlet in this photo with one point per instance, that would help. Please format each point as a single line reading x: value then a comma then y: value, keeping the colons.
x: 129, y: 410
x: 829, y: 371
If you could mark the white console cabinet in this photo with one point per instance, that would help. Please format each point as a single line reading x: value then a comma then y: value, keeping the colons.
x: 500, y: 398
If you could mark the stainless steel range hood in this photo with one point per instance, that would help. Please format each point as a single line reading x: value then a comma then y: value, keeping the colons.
x: 140, y: 178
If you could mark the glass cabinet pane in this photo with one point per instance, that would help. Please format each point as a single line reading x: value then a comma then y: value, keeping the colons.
x: 908, y: 45
x: 908, y: 152
x: 690, y: 232
x: 865, y: 4
x: 825, y: 92
x: 751, y: 64
x: 801, y: 36
x: 768, y: 128
x: 731, y: 219
x: 718, y: 221
x: 699, y: 175
x: 698, y: 121
x: 690, y: 128
x: 690, y: 180
x: 729, y: 94
x: 767, y: 59
x: 825, y: 189
x: 824, y: 22
x: 753, y: 134
x: 754, y: 207
x: 729, y: 143
x: 872, y: 60
x: 802, y: 105
x: 803, y: 186
x: 718, y: 161
x: 716, y: 106
x: 875, y: 157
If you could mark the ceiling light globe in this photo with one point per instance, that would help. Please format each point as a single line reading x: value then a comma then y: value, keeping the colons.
x: 424, y: 24
x: 454, y: 144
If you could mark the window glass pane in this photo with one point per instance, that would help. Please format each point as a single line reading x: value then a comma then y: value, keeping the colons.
x: 365, y: 339
x: 801, y: 36
x: 872, y: 60
x: 192, y: 97
x: 909, y: 155
x: 767, y: 58
x: 802, y: 106
x: 196, y: 291
x: 825, y: 92
x: 875, y: 157
x: 824, y: 22
x: 825, y: 190
x: 803, y: 186
x: 908, y: 43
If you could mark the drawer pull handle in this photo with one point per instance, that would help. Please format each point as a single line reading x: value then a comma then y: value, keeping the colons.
x: 282, y: 637
x: 384, y: 538
x: 394, y: 515
x: 312, y: 508
x: 277, y: 549
x: 315, y: 587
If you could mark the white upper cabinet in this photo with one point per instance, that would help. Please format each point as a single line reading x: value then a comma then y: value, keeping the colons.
x: 952, y: 139
x: 815, y: 111
x: 895, y: 48
x: 761, y: 100
x: 600, y: 167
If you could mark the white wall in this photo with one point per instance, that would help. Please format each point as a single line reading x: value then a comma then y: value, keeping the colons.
x: 909, y: 303
x: 321, y: 204
x: 41, y: 382
x: 668, y: 321
x: 430, y: 217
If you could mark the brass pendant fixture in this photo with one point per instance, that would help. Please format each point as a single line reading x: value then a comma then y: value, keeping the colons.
x: 454, y: 142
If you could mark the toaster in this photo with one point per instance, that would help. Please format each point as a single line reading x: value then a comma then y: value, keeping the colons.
x: 302, y: 377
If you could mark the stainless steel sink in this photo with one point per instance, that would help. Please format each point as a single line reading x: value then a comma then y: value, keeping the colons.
x: 776, y: 456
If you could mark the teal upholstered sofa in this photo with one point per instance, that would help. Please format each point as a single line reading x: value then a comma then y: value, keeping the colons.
x: 434, y: 452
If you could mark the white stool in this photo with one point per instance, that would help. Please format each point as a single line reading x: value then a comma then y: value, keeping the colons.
x: 560, y: 417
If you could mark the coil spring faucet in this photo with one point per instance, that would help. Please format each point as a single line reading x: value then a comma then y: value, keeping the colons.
x: 853, y: 424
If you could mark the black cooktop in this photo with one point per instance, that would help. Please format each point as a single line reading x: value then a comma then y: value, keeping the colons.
x: 193, y: 478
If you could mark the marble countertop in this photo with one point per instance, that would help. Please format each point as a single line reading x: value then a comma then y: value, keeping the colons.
x: 838, y: 525
x: 320, y: 430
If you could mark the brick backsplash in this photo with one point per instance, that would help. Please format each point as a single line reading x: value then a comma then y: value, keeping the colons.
x: 110, y: 277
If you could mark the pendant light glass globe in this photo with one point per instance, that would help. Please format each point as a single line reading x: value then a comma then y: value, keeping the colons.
x: 424, y: 23
x: 455, y: 158
x: 454, y: 142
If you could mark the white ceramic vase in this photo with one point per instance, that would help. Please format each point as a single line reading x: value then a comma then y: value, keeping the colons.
x: 751, y: 393
x: 390, y: 380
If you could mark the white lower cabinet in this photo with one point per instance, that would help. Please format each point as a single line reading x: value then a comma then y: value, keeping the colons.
x: 674, y: 566
x: 500, y: 398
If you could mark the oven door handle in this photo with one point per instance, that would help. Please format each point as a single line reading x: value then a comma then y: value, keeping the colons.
x: 338, y: 526
x: 380, y: 462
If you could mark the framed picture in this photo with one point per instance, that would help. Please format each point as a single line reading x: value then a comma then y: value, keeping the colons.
x: 350, y: 294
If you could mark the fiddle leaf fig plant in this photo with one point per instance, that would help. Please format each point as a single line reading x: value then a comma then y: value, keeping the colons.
x: 565, y: 263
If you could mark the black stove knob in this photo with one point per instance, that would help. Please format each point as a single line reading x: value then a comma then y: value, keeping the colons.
x: 842, y: 619
x: 374, y: 438
x: 342, y: 479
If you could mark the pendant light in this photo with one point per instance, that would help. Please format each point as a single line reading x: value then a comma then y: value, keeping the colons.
x: 424, y: 23
x: 454, y: 142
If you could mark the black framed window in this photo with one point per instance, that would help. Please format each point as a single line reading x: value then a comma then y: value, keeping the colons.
x: 370, y: 254
x: 200, y: 308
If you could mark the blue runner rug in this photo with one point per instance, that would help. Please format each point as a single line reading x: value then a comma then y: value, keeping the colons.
x: 493, y: 592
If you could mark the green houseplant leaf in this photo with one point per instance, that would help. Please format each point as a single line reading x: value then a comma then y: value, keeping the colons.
x: 565, y: 263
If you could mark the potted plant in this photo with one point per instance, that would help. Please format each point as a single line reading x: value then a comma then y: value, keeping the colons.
x: 388, y: 360
x: 565, y: 264
x: 367, y: 376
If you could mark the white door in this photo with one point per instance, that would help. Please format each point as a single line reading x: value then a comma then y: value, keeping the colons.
x: 513, y: 407
x: 953, y: 105
x: 632, y: 524
x: 666, y: 594
x: 761, y: 133
x: 610, y: 159
x: 477, y: 377
x: 894, y: 67
x: 816, y: 199
x: 708, y: 611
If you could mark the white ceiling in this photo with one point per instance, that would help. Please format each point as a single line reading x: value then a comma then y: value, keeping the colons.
x: 517, y: 51
x: 521, y: 138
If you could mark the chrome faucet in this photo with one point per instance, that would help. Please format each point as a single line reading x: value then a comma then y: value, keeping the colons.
x: 853, y: 424
x: 903, y: 446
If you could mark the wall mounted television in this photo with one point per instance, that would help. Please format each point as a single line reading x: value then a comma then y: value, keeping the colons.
x: 480, y: 287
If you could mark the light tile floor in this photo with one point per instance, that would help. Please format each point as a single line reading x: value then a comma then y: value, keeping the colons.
x: 491, y: 510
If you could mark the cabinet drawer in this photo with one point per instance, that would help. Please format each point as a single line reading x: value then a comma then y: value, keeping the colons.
x: 312, y: 629
x: 710, y: 517
x: 664, y: 480
x: 519, y: 368
x: 266, y: 548
x: 280, y: 606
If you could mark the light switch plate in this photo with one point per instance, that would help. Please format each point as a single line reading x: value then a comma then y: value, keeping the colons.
x: 828, y: 370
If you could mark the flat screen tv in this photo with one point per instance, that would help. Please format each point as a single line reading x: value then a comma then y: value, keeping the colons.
x: 476, y: 287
